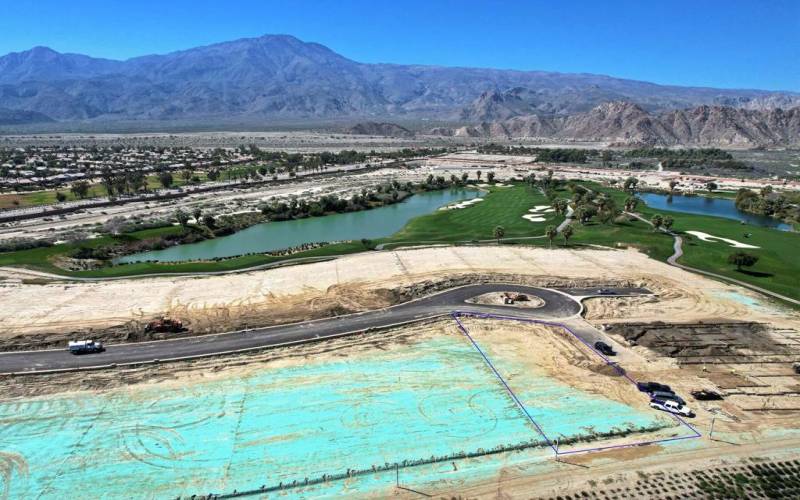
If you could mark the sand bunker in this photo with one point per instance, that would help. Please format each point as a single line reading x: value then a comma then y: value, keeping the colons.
x: 462, y: 204
x: 536, y: 213
x: 710, y: 238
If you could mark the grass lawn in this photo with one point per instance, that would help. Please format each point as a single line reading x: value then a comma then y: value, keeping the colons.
x: 48, y: 197
x: 778, y: 268
x: 500, y: 207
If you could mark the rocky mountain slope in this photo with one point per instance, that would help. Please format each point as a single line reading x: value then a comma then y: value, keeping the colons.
x: 380, y: 129
x: 277, y: 76
x: 17, y: 117
x: 629, y: 124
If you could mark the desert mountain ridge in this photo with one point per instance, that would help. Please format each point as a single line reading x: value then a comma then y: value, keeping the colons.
x: 626, y: 123
x: 279, y: 76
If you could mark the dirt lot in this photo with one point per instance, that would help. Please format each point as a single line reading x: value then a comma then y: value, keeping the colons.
x: 37, y: 313
x: 746, y: 441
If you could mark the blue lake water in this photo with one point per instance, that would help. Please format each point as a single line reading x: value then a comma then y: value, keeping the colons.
x: 718, y: 207
x: 375, y: 223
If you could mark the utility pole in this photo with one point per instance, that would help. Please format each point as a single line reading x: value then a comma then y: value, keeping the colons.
x: 711, y: 431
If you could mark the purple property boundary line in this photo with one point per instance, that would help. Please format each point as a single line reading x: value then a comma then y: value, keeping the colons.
x: 457, y: 314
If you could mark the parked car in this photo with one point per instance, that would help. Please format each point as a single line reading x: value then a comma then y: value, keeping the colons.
x: 667, y: 396
x: 652, y: 386
x: 85, y: 346
x: 671, y: 407
x: 706, y: 395
x: 604, y: 348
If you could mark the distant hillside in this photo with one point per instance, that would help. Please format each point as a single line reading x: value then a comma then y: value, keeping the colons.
x: 629, y: 124
x: 382, y: 129
x: 17, y: 117
x: 279, y: 76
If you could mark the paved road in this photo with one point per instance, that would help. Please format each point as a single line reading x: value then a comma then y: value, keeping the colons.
x: 556, y: 305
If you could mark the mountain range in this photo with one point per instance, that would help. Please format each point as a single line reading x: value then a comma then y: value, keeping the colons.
x: 625, y: 123
x: 277, y: 77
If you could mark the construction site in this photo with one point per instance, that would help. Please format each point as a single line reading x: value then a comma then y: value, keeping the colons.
x: 453, y: 403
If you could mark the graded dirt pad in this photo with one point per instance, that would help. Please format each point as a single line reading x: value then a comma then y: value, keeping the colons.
x: 360, y: 282
x: 554, y: 351
x: 414, y: 394
x: 749, y: 363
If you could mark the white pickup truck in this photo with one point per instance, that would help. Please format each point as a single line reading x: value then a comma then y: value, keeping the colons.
x: 84, y: 346
x: 671, y: 407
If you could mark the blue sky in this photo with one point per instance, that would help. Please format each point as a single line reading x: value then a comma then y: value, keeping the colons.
x: 731, y: 43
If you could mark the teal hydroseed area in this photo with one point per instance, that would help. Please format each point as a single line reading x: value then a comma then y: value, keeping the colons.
x: 274, y: 425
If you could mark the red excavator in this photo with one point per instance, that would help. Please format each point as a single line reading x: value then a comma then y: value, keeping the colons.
x: 164, y: 325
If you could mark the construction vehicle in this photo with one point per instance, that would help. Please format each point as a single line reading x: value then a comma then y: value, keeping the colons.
x: 164, y: 325
x: 85, y: 346
x: 510, y: 297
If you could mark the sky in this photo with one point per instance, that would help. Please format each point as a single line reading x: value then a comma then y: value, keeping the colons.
x: 726, y: 44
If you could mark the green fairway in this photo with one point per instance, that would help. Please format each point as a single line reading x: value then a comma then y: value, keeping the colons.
x: 778, y: 268
x: 502, y: 206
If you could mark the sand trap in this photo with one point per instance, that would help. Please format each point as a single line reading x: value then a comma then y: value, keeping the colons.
x: 710, y: 238
x: 497, y: 185
x: 534, y: 218
x: 462, y: 204
x: 537, y: 213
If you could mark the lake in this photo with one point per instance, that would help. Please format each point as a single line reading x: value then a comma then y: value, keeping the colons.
x: 717, y: 207
x: 375, y: 223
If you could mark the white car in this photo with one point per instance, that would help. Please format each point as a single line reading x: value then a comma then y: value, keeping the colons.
x: 671, y: 407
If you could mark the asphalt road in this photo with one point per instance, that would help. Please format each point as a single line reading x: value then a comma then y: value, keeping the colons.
x: 557, y: 304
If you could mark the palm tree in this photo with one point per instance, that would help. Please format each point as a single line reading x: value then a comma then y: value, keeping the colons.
x: 499, y: 232
x: 658, y: 221
x: 551, y: 232
x: 630, y: 203
x: 567, y: 233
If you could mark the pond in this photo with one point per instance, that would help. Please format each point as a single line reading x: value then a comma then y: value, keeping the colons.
x: 375, y: 223
x: 717, y: 207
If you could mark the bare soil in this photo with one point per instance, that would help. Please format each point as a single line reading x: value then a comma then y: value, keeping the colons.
x: 38, y: 315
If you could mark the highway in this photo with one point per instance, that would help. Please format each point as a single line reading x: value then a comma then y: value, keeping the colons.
x: 557, y: 305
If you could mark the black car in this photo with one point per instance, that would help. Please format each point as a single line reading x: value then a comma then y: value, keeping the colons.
x: 651, y: 387
x: 667, y: 396
x: 604, y: 348
x: 706, y: 395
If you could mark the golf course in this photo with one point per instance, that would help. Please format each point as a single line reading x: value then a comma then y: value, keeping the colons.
x: 498, y: 218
